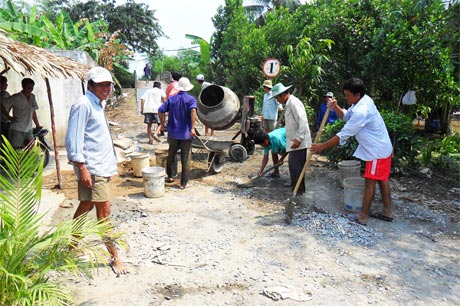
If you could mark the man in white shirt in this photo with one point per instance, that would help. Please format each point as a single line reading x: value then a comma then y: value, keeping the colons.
x: 24, y: 106
x: 151, y: 100
x: 364, y: 121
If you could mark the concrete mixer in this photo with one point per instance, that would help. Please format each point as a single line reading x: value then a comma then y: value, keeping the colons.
x: 219, y: 108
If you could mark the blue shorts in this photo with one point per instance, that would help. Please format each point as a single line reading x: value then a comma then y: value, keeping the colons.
x: 151, y: 118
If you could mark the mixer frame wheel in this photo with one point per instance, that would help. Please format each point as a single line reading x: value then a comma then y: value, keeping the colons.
x: 238, y: 153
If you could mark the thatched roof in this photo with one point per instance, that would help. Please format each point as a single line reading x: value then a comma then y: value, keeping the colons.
x: 24, y: 58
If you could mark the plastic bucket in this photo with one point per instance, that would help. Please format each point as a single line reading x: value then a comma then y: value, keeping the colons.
x: 353, y: 189
x: 161, y: 156
x: 154, y: 181
x: 349, y: 168
x: 139, y: 161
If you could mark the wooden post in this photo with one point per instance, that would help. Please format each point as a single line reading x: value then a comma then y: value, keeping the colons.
x: 53, y: 130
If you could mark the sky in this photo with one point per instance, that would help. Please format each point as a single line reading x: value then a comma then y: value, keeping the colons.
x: 180, y: 17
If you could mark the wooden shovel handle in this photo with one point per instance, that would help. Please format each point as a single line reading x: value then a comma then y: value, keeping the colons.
x: 310, y: 153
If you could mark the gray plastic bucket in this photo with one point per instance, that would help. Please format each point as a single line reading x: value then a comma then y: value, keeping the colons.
x: 349, y: 168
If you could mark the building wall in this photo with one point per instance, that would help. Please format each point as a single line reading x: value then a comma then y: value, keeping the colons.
x: 63, y: 94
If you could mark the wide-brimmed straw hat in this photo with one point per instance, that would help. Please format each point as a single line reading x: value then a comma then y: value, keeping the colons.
x: 278, y: 89
x: 268, y: 84
x: 183, y: 84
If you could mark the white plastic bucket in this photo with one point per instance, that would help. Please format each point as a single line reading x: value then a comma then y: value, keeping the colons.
x: 154, y: 181
x: 139, y: 161
x: 349, y: 168
x: 353, y: 189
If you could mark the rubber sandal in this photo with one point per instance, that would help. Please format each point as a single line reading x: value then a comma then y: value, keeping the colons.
x: 355, y: 219
x: 381, y: 216
x: 169, y: 180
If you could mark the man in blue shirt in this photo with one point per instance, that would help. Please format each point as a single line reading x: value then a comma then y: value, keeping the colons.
x: 322, y: 110
x: 181, y: 109
x: 90, y: 149
x: 275, y: 141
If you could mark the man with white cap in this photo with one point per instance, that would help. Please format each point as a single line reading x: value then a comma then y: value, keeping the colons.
x: 90, y: 149
x: 203, y: 84
x: 181, y: 109
x: 329, y: 96
x: 298, y: 137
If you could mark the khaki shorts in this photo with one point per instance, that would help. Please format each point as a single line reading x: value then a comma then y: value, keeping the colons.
x: 98, y: 193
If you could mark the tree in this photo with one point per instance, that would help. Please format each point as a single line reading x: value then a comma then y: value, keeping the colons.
x: 305, y: 67
x: 138, y: 28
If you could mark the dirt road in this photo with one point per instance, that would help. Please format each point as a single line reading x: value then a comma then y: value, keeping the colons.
x: 216, y: 244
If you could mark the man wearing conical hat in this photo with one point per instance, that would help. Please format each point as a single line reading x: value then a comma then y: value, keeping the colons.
x: 298, y: 137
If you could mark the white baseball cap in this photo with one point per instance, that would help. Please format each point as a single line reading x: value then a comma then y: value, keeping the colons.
x: 99, y: 75
x: 200, y: 77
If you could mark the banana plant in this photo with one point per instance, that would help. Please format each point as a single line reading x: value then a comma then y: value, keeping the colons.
x: 205, y: 51
x: 22, y: 27
x: 28, y: 252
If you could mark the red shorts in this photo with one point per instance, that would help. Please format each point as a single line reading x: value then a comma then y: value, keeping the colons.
x: 378, y: 169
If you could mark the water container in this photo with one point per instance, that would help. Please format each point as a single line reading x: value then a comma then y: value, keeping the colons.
x: 353, y: 190
x: 154, y: 181
x: 139, y: 161
x: 349, y: 168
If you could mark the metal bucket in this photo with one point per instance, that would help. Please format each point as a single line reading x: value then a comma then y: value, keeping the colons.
x: 218, y: 107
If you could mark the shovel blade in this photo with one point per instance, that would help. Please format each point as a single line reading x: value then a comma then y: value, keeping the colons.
x: 289, y: 211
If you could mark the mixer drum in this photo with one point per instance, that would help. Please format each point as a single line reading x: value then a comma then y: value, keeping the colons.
x: 218, y: 107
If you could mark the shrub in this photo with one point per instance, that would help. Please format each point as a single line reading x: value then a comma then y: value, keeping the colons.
x: 27, y: 254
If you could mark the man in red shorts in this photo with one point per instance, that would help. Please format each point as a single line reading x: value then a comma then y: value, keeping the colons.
x: 364, y: 121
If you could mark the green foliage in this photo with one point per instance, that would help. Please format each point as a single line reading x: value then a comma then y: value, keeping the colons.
x: 340, y: 152
x: 27, y: 252
x: 305, y: 67
x: 403, y: 137
x: 139, y: 28
x: 443, y: 154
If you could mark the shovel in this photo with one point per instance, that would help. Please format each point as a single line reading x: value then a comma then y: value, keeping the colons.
x: 289, y: 207
x: 249, y: 184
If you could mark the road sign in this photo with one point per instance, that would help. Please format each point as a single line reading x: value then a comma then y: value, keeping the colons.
x: 271, y: 67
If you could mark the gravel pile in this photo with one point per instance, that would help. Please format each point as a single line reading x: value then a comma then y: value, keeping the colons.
x: 333, y: 228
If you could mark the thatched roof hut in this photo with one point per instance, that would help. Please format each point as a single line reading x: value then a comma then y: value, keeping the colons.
x: 28, y: 59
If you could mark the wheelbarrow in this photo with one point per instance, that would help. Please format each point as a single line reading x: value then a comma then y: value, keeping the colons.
x: 215, y: 150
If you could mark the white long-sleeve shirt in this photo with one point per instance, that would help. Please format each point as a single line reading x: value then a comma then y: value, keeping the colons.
x: 364, y: 121
x: 296, y: 124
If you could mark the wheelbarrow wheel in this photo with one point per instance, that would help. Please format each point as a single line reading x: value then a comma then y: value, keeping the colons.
x: 217, y: 161
x: 238, y: 153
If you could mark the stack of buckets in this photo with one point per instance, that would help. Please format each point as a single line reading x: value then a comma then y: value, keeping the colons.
x: 352, y: 184
x: 153, y: 177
